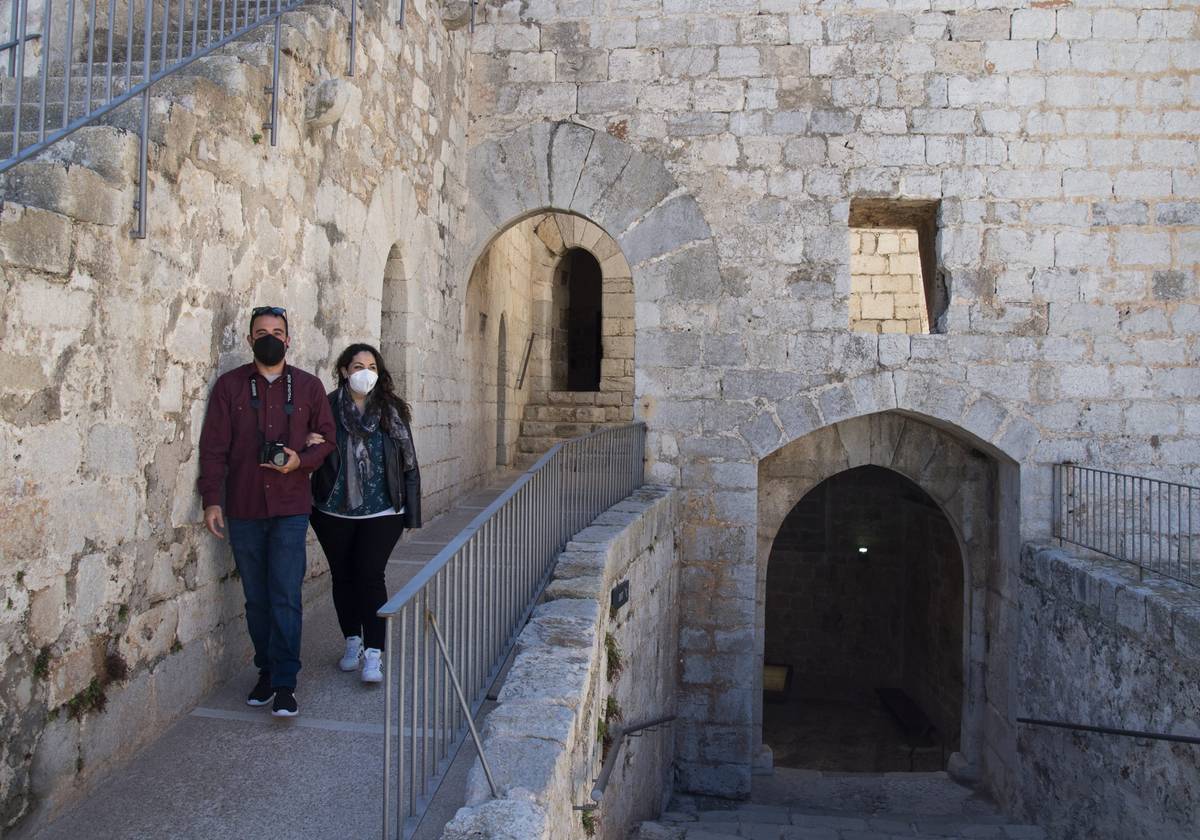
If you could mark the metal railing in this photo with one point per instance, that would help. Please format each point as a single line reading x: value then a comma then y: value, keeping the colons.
x: 1109, y: 730
x: 481, y: 588
x: 1150, y: 523
x: 637, y: 730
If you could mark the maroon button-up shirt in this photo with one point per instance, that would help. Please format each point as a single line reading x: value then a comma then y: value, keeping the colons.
x: 230, y: 474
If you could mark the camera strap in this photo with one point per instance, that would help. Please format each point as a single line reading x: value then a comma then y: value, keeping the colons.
x: 256, y: 403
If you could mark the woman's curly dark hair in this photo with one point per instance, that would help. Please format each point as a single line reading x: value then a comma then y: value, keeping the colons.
x: 385, y: 388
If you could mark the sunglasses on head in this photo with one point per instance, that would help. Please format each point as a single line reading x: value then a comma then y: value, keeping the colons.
x: 278, y: 311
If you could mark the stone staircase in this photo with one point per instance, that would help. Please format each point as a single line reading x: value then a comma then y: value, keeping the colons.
x: 809, y: 805
x: 91, y: 175
x: 563, y: 415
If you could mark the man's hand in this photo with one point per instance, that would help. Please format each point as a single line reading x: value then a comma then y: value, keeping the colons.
x: 292, y: 464
x: 314, y: 439
x: 214, y: 521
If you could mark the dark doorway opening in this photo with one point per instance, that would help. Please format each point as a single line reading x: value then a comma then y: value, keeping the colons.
x: 582, y: 277
x: 864, y: 613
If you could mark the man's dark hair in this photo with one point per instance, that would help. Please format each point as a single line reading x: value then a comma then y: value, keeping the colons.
x: 385, y: 388
x: 276, y: 311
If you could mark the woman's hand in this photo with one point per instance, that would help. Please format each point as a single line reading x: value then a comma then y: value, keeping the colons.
x: 314, y: 439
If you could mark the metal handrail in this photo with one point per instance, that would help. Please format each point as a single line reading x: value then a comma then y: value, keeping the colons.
x: 1108, y: 730
x: 1150, y: 523
x: 484, y: 585
x: 173, y: 35
x: 610, y: 760
x: 525, y: 361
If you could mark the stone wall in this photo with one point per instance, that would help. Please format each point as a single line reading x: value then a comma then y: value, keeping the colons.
x: 887, y: 291
x: 117, y: 611
x: 1100, y: 647
x: 721, y: 144
x: 583, y: 668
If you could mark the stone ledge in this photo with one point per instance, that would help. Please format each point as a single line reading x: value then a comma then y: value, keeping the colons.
x: 1162, y: 612
x: 545, y: 714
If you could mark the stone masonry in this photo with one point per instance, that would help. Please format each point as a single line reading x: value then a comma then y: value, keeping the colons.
x: 1058, y: 145
x: 726, y: 148
x: 117, y: 610
x: 583, y: 668
x: 887, y: 291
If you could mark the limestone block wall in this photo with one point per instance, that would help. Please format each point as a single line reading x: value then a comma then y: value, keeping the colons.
x: 1100, y: 647
x: 887, y: 292
x: 721, y: 145
x: 117, y: 611
x: 507, y: 286
x: 583, y: 668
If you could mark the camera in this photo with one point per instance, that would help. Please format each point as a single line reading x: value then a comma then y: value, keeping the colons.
x: 272, y: 453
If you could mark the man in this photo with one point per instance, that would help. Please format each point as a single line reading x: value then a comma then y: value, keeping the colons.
x: 254, y: 468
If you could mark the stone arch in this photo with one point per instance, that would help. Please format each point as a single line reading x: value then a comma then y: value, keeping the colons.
x: 394, y: 329
x: 974, y: 488
x: 570, y: 168
x: 396, y: 241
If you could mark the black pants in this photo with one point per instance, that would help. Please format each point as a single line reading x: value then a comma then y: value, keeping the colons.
x: 358, y: 551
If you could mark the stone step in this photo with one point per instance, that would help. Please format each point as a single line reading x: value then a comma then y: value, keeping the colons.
x: 783, y: 824
x: 536, y: 445
x: 572, y: 397
x: 565, y: 413
x: 544, y: 428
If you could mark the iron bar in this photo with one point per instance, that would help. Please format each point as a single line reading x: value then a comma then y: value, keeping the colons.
x: 387, y: 726
x: 487, y: 771
x: 144, y: 136
x: 353, y: 37
x: 1109, y: 730
x: 68, y: 61
x: 91, y: 59
x: 23, y: 7
x: 610, y: 761
x: 274, y: 121
x: 47, y: 48
x: 108, y: 72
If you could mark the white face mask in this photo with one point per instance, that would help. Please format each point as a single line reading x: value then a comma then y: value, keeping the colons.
x: 362, y: 381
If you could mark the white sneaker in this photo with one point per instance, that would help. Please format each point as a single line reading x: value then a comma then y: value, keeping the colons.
x: 349, y: 660
x: 372, y: 670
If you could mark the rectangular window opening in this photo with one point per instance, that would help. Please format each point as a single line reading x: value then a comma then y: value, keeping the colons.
x: 895, y: 283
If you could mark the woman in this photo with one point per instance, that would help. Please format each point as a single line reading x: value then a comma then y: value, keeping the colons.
x: 365, y: 494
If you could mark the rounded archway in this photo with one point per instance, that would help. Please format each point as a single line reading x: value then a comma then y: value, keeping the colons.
x: 863, y: 646
x: 975, y: 491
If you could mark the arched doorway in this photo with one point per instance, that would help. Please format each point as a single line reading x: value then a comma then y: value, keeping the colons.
x: 580, y: 293
x: 864, y: 629
x: 502, y: 394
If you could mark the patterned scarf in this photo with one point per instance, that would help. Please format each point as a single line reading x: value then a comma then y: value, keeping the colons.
x: 359, y: 427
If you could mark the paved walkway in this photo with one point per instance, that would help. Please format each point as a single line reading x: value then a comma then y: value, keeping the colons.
x: 227, y: 770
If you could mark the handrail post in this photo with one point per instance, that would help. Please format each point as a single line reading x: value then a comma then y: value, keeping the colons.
x: 388, y: 672
x: 441, y: 643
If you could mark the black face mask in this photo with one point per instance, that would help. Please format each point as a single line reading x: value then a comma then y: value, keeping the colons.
x: 269, y: 350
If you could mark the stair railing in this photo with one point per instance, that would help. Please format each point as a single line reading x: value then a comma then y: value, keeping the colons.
x: 120, y: 52
x: 482, y: 587
x: 1150, y: 523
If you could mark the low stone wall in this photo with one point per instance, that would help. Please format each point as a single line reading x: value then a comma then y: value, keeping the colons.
x: 1099, y: 647
x: 579, y: 662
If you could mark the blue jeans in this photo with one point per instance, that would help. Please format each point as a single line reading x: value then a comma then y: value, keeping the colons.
x: 271, y: 559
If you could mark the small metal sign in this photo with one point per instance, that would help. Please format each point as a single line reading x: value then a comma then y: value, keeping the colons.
x: 620, y: 595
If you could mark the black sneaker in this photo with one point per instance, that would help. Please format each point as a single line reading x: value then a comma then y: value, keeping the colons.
x: 262, y: 693
x: 285, y: 703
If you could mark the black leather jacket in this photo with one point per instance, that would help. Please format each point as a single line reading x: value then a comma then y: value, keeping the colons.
x: 404, y: 488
